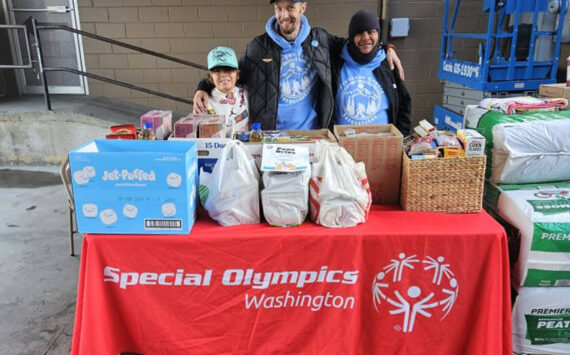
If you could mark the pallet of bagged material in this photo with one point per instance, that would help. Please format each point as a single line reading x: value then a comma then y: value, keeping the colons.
x: 537, y: 219
x: 541, y: 321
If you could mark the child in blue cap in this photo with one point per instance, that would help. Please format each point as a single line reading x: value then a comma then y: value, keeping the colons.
x: 226, y: 98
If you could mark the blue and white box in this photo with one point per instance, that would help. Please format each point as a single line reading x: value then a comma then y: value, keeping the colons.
x: 135, y: 187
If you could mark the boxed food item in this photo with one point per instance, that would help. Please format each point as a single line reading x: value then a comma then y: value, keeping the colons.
x: 380, y: 148
x: 124, y: 131
x: 134, y: 187
x: 442, y: 185
x: 212, y: 126
x: 473, y: 142
x: 186, y: 127
x: 161, y: 123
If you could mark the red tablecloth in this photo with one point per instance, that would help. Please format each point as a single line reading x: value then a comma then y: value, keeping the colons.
x: 403, y: 283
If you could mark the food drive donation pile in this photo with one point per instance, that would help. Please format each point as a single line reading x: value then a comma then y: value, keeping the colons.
x: 443, y: 171
x: 528, y: 191
x: 280, y: 177
x: 128, y: 184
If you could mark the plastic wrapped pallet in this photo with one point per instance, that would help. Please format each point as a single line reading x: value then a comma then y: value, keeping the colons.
x: 525, y: 148
x: 541, y: 321
x: 539, y: 215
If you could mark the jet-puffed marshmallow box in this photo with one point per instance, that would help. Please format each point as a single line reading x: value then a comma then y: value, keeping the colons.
x: 135, y: 187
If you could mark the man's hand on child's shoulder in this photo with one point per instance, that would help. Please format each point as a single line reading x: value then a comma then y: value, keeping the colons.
x: 200, y: 102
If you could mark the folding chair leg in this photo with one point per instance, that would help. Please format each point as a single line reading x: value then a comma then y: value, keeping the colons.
x: 71, y: 242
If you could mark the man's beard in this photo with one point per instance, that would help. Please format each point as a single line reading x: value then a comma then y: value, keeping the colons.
x: 288, y: 31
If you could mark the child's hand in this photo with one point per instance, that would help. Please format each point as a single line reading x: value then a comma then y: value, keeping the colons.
x: 200, y: 102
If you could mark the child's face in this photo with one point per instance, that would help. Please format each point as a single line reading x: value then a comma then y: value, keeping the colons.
x: 224, y: 78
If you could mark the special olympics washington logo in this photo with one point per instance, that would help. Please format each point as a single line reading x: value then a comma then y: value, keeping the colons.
x: 413, y: 288
x: 297, y: 78
x: 361, y: 99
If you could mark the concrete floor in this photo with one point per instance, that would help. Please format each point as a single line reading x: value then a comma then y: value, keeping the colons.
x: 39, y: 279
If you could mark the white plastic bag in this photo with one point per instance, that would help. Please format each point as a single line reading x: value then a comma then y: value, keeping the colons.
x: 285, y: 197
x: 339, y: 190
x: 230, y: 193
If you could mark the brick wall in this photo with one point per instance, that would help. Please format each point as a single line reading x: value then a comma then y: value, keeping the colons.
x: 188, y: 29
x: 420, y: 50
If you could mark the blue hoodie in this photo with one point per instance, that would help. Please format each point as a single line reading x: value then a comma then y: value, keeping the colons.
x: 360, y: 98
x: 297, y: 79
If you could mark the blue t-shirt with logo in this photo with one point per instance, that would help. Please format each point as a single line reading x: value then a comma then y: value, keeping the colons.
x: 360, y: 98
x: 297, y: 79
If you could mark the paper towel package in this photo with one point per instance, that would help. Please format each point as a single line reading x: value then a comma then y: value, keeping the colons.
x: 134, y: 187
x: 535, y: 151
x: 541, y: 321
x: 540, y: 215
x: 524, y: 148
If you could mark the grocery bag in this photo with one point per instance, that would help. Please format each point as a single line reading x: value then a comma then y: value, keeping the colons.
x: 339, y: 192
x: 285, y: 197
x: 230, y: 193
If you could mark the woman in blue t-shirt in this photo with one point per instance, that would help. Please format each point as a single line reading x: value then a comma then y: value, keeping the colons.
x: 367, y: 91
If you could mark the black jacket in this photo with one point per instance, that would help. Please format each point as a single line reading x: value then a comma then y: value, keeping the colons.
x: 400, y: 102
x: 259, y: 74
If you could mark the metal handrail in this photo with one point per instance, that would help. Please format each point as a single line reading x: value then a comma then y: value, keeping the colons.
x: 34, y: 28
x: 121, y: 44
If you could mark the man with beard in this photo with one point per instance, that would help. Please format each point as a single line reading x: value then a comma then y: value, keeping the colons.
x: 287, y: 72
x: 367, y: 91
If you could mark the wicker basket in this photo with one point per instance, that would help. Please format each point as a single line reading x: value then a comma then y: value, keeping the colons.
x: 443, y: 185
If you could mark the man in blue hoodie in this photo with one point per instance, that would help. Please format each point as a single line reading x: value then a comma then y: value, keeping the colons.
x: 287, y: 72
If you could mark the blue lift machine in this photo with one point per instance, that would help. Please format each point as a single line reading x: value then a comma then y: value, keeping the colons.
x: 500, y: 66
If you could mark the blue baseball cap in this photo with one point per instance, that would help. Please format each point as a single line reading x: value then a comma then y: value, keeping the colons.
x: 222, y: 57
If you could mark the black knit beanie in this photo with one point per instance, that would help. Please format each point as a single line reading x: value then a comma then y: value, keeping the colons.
x: 362, y: 20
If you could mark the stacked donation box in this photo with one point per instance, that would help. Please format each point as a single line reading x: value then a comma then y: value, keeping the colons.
x: 528, y: 191
x: 135, y: 186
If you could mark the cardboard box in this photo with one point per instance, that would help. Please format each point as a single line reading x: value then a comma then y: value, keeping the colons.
x: 555, y: 90
x: 209, y: 149
x: 134, y: 187
x: 382, y: 157
x: 312, y: 137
